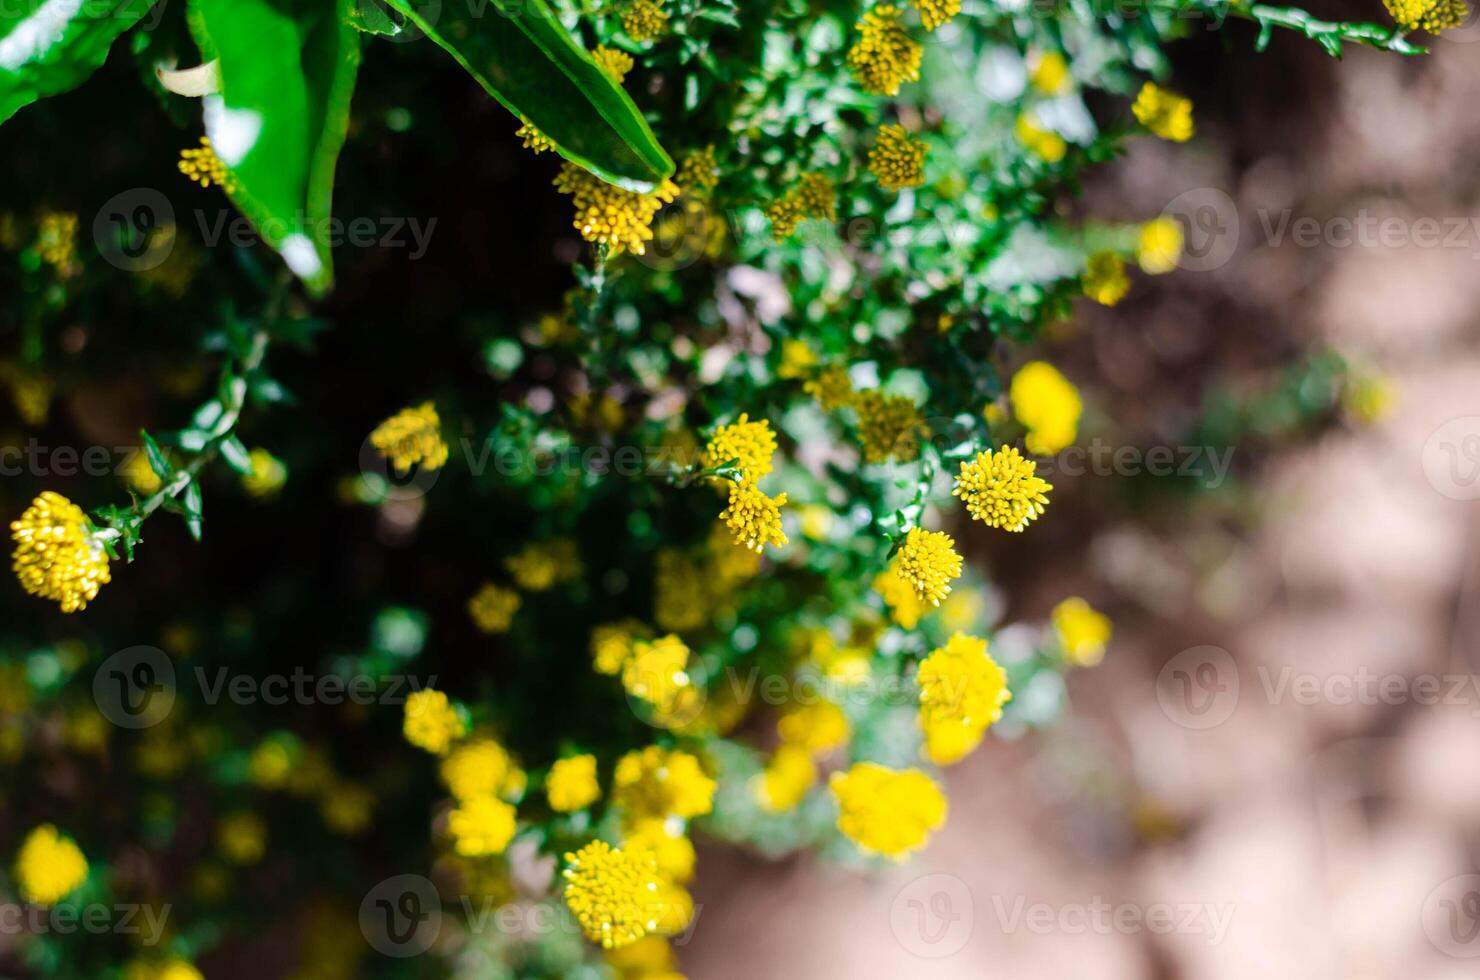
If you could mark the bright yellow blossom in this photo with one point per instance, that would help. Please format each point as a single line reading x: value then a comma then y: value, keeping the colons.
x: 670, y: 846
x: 613, y: 61
x: 644, y: 20
x: 534, y: 140
x: 1002, y: 489
x: 1166, y: 114
x: 753, y: 517
x: 1048, y: 406
x: 785, y: 780
x: 750, y: 445
x: 905, y: 605
x: 819, y: 727
x: 268, y: 475
x: 431, y: 721
x: 59, y: 555
x: 962, y: 691
x: 884, y: 56
x: 481, y: 767
x: 1044, y: 143
x: 571, y: 784
x: 797, y: 359
x: 658, y: 782
x: 609, y: 215
x: 897, y: 160
x: 410, y: 438
x: 934, y: 13
x: 928, y: 561
x: 886, y: 811
x: 611, y: 644
x: 1159, y: 246
x: 611, y: 893
x: 481, y: 826
x: 49, y: 866
x: 203, y: 166
x: 1050, y: 74
x: 1082, y: 630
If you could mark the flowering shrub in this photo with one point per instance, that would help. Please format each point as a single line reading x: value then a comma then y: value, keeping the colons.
x: 793, y: 366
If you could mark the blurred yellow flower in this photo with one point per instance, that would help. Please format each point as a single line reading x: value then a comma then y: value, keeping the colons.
x: 571, y: 784
x: 1159, y: 246
x: 1048, y: 406
x: 962, y: 691
x: 1082, y: 631
x: 431, y: 721
x: 886, y: 811
x: 884, y: 56
x: 49, y: 866
x: 492, y: 608
x: 481, y: 826
x: 1166, y: 114
x: 412, y: 437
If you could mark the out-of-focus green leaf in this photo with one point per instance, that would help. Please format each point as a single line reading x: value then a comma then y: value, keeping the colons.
x: 50, y: 46
x: 522, y: 55
x: 288, y: 69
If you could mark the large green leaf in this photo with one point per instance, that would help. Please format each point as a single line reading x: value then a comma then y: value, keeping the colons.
x: 521, y: 54
x: 50, y: 46
x: 287, y: 72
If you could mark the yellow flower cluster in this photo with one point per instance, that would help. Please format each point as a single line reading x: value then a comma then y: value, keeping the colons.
x: 49, y: 866
x: 614, y: 62
x: 814, y: 196
x: 753, y: 517
x: 432, y: 722
x: 1049, y: 74
x: 202, y: 165
x: 928, y: 562
x: 889, y: 426
x: 611, y: 644
x: 644, y: 20
x: 411, y: 437
x: 608, y: 215
x: 482, y: 826
x: 832, y: 388
x: 962, y: 691
x: 612, y: 893
x: 482, y: 767
x: 658, y: 783
x: 56, y: 239
x: 1002, y: 489
x: 534, y: 140
x: 1159, y: 246
x: 934, y: 13
x: 784, y: 782
x: 571, y: 784
x: 58, y: 554
x: 818, y: 727
x: 268, y: 476
x: 797, y: 359
x: 897, y: 160
x: 1165, y: 113
x: 492, y: 608
x: 1046, y: 144
x: 749, y: 445
x: 884, y: 56
x: 699, y: 172
x: 1434, y: 16
x: 657, y: 673
x: 1105, y: 280
x: 1083, y: 631
x: 1048, y: 406
x: 887, y: 811
x: 542, y: 565
x: 904, y: 603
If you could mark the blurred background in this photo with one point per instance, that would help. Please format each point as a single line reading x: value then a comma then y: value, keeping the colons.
x: 1272, y: 774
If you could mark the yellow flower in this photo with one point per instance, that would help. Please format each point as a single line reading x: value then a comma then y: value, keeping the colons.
x: 797, y: 359
x: 534, y: 140
x: 1047, y: 405
x: 644, y: 20
x: 171, y: 969
x: 887, y: 811
x: 49, y: 866
x: 962, y: 691
x: 203, y: 166
x: 347, y: 808
x: 242, y: 837
x: 56, y: 239
x: 1166, y: 114
x: 928, y: 561
x: 905, y: 605
x: 1050, y: 74
x: 1083, y: 632
x: 884, y: 56
x: 137, y: 473
x: 814, y: 196
x: 1045, y: 143
x: 655, y: 673
x: 672, y: 909
x: 492, y: 608
x: 542, y: 565
x: 897, y: 160
x: 647, y: 959
x: 611, y: 892
x: 608, y: 215
x: 1002, y: 489
x: 58, y: 553
x: 267, y: 477
x: 1434, y: 16
x: 819, y: 728
x: 614, y: 62
x: 1368, y: 398
x: 482, y: 826
x: 699, y: 172
x: 1105, y: 280
x: 682, y: 599
x: 431, y: 722
x: 670, y: 847
x: 611, y: 644
x: 271, y: 762
x: 934, y: 13
x: 784, y: 213
x: 481, y: 767
x: 749, y: 444
x: 657, y: 782
x: 410, y: 437
x: 816, y: 521
x: 753, y: 517
x: 1159, y: 247
x: 31, y: 394
x: 832, y: 388
x: 785, y: 780
x: 889, y: 427
x: 571, y: 784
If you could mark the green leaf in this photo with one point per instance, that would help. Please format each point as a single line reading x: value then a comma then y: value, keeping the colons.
x: 50, y: 46
x: 158, y: 461
x: 192, y: 512
x: 236, y: 455
x: 521, y: 54
x: 288, y: 69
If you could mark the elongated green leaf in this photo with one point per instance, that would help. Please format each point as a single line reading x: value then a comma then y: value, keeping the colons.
x: 288, y: 70
x: 521, y: 54
x: 50, y: 46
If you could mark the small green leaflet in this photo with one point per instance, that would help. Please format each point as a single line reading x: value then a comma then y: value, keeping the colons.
x: 50, y: 46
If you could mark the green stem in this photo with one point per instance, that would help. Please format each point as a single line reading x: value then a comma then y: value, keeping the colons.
x: 1328, y: 34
